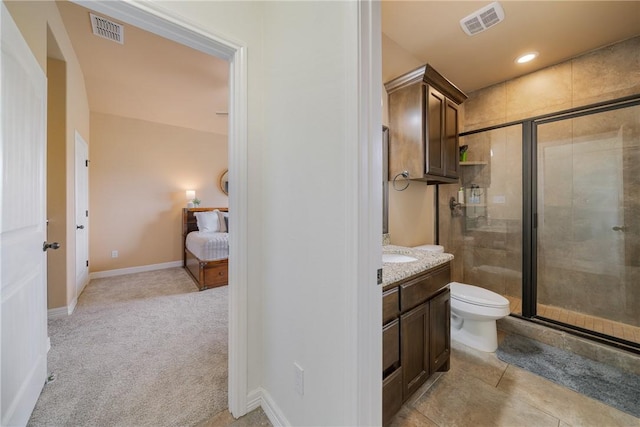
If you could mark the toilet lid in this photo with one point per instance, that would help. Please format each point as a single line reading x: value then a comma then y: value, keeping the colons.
x: 476, y: 295
x: 430, y: 248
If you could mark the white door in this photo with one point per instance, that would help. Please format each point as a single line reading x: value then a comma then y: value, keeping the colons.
x: 82, y: 214
x: 23, y: 290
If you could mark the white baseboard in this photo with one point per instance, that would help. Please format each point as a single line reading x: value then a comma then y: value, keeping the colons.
x: 57, y: 313
x: 71, y: 307
x: 130, y: 270
x: 260, y: 397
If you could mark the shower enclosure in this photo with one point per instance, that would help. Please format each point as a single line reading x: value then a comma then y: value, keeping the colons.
x: 551, y: 218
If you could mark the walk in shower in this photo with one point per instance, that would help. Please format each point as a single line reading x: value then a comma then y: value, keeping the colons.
x: 551, y: 218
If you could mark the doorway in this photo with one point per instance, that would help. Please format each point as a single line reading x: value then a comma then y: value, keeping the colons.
x: 82, y: 213
x: 165, y: 26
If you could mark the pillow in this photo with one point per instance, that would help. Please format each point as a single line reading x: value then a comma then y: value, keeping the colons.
x: 223, y: 221
x: 208, y: 221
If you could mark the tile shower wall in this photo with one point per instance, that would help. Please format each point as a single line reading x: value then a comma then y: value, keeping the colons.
x: 604, y: 74
x: 486, y: 233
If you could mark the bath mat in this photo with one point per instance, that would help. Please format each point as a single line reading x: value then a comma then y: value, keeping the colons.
x: 608, y: 384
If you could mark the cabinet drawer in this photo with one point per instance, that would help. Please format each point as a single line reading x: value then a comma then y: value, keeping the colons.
x: 391, y: 396
x: 216, y: 275
x: 421, y: 288
x: 390, y: 305
x: 390, y: 345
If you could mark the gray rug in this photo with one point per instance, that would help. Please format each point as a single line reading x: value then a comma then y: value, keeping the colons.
x: 613, y: 386
x: 144, y: 349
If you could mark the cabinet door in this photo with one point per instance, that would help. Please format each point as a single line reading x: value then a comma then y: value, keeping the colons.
x: 434, y: 124
x: 440, y: 332
x: 406, y: 143
x: 451, y: 150
x: 414, y: 327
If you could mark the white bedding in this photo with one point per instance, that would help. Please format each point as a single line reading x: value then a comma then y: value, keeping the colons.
x: 208, y: 245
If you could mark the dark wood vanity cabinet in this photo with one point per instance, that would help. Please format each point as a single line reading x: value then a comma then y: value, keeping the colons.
x: 416, y: 335
x: 423, y: 126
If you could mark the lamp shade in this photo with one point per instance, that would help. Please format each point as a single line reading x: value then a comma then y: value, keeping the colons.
x: 191, y: 194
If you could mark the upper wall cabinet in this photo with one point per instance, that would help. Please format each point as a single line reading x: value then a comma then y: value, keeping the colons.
x: 423, y: 126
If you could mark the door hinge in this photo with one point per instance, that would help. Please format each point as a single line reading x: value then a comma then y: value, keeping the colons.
x: 379, y: 276
x: 87, y: 263
x: 86, y: 163
x: 86, y: 213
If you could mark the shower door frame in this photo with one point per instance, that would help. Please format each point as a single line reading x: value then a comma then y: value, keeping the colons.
x: 530, y: 212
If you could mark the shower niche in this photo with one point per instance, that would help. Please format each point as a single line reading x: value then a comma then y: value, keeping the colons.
x: 475, y: 181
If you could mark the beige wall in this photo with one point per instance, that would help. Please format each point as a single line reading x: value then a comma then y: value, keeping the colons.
x: 33, y: 18
x: 56, y: 181
x: 411, y: 212
x: 138, y: 176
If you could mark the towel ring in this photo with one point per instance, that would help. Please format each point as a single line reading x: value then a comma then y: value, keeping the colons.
x: 405, y: 175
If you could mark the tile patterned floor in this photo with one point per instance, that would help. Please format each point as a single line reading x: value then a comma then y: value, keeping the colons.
x: 481, y: 390
x: 615, y: 329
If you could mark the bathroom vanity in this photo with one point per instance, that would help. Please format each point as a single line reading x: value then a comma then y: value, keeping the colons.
x: 415, y: 322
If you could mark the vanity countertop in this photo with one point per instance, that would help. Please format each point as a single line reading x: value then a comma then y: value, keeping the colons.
x: 393, y: 272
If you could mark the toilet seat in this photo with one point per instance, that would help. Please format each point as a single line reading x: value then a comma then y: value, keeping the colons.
x: 477, y: 296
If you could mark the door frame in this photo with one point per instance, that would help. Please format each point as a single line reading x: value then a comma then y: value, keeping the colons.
x: 152, y: 18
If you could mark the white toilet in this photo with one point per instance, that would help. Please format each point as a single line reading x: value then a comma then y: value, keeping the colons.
x: 474, y: 312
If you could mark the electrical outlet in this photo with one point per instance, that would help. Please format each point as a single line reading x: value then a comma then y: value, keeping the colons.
x: 299, y: 379
x: 114, y: 254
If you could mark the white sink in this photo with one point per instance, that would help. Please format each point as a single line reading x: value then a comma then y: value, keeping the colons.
x: 397, y: 258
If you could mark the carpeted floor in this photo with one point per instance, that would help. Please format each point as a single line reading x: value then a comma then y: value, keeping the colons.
x: 144, y: 349
x: 608, y: 384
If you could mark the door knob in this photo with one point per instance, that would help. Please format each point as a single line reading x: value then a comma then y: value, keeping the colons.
x: 619, y: 228
x: 54, y: 245
x: 80, y: 227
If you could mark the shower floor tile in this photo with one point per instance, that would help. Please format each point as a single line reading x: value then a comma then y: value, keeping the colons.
x: 604, y: 326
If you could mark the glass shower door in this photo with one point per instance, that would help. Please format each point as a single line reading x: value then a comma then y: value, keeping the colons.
x: 588, y: 205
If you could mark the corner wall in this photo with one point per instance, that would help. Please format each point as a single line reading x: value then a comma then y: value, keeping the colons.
x: 33, y: 18
x: 56, y: 182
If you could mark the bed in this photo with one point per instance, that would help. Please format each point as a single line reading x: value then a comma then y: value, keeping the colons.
x: 206, y: 253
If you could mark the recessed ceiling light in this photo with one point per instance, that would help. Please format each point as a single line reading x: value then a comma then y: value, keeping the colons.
x: 526, y: 57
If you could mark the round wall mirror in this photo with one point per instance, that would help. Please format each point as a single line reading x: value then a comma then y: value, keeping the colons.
x: 224, y: 182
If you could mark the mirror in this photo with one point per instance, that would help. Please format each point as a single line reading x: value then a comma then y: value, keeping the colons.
x: 385, y: 179
x: 224, y: 182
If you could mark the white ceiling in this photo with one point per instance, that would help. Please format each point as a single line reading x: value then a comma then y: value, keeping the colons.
x: 152, y: 78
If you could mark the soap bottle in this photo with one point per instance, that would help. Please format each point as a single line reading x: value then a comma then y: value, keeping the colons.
x: 461, y: 195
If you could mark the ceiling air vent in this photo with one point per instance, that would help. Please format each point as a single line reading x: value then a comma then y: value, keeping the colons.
x: 482, y: 19
x: 102, y: 27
